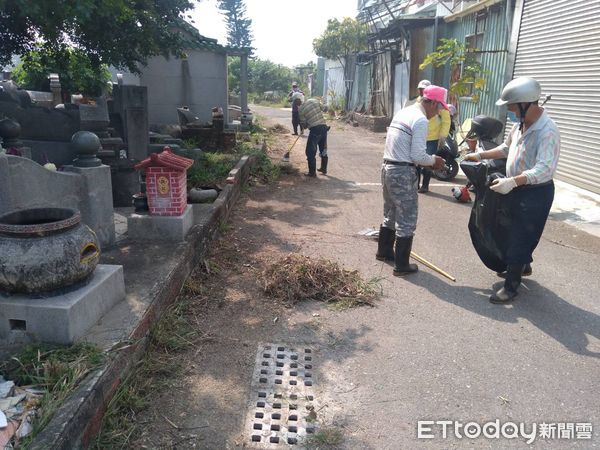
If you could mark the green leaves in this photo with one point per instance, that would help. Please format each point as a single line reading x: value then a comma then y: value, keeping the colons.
x: 466, y: 72
x: 123, y: 33
x: 341, y: 39
x: 263, y: 75
x: 77, y: 73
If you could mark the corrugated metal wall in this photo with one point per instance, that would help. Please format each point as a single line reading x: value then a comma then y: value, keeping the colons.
x: 382, y: 95
x: 361, y: 88
x: 495, y: 48
x: 336, y: 89
x: 559, y: 45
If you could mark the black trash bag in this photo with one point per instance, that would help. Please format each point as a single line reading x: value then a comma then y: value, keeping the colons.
x: 489, y: 224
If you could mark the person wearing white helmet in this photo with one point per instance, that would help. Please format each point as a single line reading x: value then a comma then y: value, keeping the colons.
x: 293, y: 95
x: 531, y: 149
x: 420, y: 87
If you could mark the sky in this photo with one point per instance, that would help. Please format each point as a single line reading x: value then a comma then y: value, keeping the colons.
x: 283, y: 29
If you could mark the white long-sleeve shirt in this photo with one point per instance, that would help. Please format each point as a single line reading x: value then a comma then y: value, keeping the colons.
x: 534, y: 153
x: 407, y: 137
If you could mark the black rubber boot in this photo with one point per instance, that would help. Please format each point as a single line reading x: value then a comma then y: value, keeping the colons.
x: 527, y: 271
x: 323, y: 168
x: 312, y: 168
x: 426, y: 177
x: 385, y: 244
x: 402, y: 255
x: 511, y: 283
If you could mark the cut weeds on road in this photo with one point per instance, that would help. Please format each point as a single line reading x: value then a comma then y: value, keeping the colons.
x: 297, y: 278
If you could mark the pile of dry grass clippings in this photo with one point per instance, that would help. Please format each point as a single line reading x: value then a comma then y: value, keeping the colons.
x: 296, y: 278
x: 279, y: 129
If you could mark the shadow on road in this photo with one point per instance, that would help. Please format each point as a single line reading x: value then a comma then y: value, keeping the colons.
x: 551, y: 314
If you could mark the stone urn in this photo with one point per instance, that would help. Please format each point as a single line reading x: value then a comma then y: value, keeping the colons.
x: 43, y: 249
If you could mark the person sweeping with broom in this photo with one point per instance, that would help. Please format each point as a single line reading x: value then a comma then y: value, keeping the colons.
x: 311, y: 117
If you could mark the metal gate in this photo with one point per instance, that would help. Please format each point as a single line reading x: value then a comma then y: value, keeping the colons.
x: 559, y: 45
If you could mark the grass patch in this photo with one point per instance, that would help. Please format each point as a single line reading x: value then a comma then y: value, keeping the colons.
x: 211, y: 169
x: 325, y: 439
x: 224, y: 227
x: 264, y: 168
x: 156, y: 372
x: 189, y: 144
x: 297, y: 278
x: 56, y: 369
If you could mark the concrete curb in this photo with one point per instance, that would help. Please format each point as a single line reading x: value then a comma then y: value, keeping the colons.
x: 78, y: 420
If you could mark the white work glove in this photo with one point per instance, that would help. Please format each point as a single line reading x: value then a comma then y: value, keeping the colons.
x: 476, y: 157
x: 503, y: 185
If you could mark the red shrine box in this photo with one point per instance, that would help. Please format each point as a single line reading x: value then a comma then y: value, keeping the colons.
x: 166, y: 182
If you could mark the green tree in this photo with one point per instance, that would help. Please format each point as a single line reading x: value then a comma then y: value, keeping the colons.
x: 239, y: 34
x: 77, y: 76
x: 466, y: 73
x: 339, y: 40
x: 122, y: 33
x: 264, y: 75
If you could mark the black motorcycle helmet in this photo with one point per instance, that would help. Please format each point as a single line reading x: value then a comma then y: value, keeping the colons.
x: 485, y: 128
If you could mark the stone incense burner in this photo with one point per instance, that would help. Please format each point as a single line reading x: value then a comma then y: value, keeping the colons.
x: 43, y: 249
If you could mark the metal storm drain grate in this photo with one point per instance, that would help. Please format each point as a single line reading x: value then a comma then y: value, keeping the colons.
x: 282, y: 402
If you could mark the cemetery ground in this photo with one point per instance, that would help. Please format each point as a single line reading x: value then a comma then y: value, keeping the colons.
x: 429, y: 349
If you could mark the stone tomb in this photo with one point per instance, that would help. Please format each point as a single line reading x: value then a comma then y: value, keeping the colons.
x: 63, y: 316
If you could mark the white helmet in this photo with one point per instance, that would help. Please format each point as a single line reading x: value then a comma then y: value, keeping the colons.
x: 520, y: 90
x: 298, y: 95
x: 423, y: 84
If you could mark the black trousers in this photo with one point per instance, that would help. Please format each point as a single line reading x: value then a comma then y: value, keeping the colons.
x: 296, y: 122
x: 528, y: 211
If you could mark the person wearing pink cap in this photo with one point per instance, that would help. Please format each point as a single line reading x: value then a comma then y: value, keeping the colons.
x: 437, y: 132
x: 404, y: 150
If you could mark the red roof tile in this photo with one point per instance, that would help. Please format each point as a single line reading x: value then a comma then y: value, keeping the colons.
x: 167, y: 159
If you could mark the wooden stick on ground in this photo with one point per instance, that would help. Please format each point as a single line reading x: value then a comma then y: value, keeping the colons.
x: 431, y: 266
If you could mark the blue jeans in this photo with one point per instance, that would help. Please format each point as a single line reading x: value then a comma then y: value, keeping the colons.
x: 317, y: 139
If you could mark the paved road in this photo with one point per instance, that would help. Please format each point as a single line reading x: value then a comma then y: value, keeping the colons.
x: 437, y: 350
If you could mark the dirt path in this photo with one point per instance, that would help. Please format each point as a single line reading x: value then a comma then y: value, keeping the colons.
x: 204, y: 404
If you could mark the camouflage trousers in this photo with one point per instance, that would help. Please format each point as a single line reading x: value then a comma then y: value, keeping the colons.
x: 400, y: 206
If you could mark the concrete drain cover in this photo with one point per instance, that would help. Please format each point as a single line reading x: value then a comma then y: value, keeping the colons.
x: 282, y: 402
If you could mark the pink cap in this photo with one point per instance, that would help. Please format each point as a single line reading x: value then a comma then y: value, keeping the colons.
x: 436, y: 94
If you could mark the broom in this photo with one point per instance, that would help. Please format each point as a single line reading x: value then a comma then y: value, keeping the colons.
x: 286, y: 157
